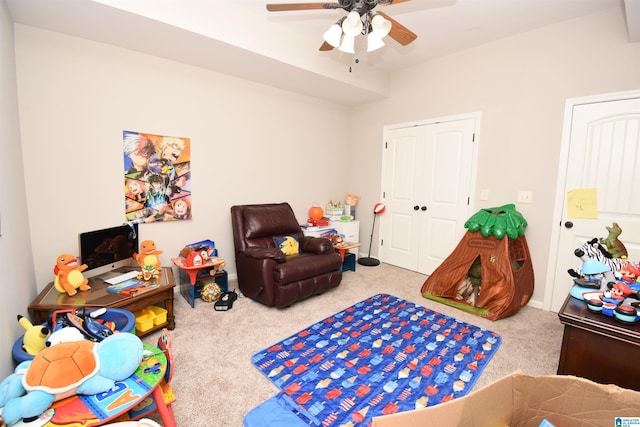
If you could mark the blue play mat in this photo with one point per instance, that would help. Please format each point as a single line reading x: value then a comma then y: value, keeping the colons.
x: 380, y: 356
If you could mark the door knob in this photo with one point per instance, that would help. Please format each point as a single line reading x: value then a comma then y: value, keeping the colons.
x: 416, y: 207
x: 424, y: 208
x: 568, y: 224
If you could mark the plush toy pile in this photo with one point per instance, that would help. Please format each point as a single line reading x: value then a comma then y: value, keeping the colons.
x: 65, y: 369
x: 607, y: 280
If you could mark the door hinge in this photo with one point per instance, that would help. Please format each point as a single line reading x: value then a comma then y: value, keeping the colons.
x: 386, y: 145
x: 473, y: 138
x: 384, y: 195
x: 381, y: 242
x: 468, y: 200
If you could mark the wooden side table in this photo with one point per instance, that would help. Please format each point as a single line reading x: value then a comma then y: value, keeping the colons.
x: 598, y: 347
x: 50, y: 299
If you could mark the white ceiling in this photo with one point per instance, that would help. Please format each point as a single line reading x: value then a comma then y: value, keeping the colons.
x: 241, y: 38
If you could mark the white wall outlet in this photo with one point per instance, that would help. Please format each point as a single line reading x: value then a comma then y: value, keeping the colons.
x: 525, y: 196
x: 484, y: 194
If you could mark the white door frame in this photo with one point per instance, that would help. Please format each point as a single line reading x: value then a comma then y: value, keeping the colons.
x: 562, y: 177
x: 476, y: 116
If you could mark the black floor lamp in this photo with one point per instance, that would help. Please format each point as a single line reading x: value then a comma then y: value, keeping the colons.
x: 368, y: 261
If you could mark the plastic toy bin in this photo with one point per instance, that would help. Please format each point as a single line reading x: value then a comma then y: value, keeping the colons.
x: 149, y: 317
x: 125, y: 322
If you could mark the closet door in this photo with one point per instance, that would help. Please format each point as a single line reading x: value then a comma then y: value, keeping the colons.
x: 402, y: 175
x: 426, y: 187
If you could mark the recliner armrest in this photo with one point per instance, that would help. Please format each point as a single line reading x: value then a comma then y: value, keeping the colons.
x: 264, y: 253
x: 316, y: 245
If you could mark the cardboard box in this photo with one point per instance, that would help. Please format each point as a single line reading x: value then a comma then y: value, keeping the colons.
x: 520, y: 400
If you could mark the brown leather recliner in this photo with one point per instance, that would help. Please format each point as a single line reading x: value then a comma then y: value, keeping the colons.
x: 265, y: 274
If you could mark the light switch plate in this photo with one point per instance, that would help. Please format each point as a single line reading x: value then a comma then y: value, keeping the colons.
x: 525, y: 196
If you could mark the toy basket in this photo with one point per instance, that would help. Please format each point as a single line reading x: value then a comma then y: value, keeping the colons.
x: 125, y: 322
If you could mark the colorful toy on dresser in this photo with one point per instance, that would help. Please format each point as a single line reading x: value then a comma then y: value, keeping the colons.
x: 607, y: 282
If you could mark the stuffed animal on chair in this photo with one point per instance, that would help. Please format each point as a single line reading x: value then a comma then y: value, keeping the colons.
x: 81, y: 367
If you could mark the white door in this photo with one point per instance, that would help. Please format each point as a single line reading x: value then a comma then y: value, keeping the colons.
x: 426, y: 188
x: 603, y: 153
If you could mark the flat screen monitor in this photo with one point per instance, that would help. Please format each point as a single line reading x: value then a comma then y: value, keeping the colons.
x: 106, y: 250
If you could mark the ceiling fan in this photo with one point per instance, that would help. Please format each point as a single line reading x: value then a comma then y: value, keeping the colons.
x: 361, y: 19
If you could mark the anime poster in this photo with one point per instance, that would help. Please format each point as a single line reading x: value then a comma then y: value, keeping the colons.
x: 157, y: 177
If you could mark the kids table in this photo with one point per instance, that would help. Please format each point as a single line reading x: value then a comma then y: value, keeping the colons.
x: 192, y: 277
x: 348, y: 258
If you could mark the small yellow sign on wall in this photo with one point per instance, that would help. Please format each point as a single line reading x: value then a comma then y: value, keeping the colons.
x: 582, y: 203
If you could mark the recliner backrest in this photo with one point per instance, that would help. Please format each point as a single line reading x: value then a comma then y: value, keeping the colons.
x: 256, y: 225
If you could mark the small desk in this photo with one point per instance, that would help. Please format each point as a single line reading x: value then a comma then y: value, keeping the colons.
x: 191, y: 275
x: 598, y: 347
x: 50, y: 299
x: 348, y: 259
x: 99, y: 409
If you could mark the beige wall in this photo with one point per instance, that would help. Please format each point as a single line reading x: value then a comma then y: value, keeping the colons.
x: 250, y: 143
x: 519, y: 85
x: 17, y: 281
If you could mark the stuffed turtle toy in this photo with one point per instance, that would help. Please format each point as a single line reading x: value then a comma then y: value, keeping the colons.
x: 65, y: 369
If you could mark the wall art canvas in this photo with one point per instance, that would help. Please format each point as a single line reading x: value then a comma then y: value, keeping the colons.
x: 157, y: 177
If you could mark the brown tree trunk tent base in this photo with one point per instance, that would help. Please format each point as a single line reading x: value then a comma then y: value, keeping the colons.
x: 507, y: 279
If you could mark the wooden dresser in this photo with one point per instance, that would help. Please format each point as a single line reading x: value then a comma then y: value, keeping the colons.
x: 598, y: 347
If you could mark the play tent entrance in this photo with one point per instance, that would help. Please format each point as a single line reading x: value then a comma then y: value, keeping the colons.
x: 490, y: 272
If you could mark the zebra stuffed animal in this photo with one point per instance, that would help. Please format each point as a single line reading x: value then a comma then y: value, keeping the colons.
x: 594, y: 250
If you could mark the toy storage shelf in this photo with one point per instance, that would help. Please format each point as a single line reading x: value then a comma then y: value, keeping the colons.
x: 349, y: 262
x: 192, y: 280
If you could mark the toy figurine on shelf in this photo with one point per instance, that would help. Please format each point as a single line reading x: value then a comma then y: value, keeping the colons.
x: 594, y: 274
x: 614, y: 246
x: 197, y: 256
x: 629, y: 273
x: 618, y: 301
x: 69, y: 277
x: 593, y: 249
x: 148, y: 259
x: 148, y: 272
x: 616, y: 293
x: 351, y: 200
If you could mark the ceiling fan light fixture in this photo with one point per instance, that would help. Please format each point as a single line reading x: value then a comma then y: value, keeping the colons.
x: 352, y: 25
x: 347, y: 45
x: 380, y: 26
x: 374, y: 42
x: 333, y: 35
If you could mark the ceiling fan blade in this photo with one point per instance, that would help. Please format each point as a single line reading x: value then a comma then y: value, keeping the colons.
x: 390, y: 2
x: 325, y: 47
x: 283, y: 7
x: 399, y: 32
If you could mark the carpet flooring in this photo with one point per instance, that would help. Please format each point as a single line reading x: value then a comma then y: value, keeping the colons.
x: 216, y: 383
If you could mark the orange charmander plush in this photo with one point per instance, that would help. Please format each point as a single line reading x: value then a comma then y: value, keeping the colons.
x: 69, y: 275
